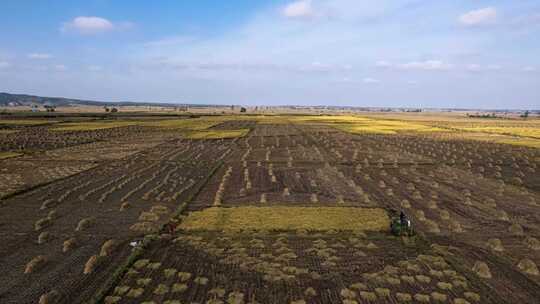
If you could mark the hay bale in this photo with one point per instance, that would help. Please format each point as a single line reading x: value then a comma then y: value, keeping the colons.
x: 179, y: 288
x: 432, y: 226
x: 439, y: 297
x: 47, y: 204
x: 444, y: 285
x: 125, y: 206
x: 516, y: 229
x: 184, y: 276
x: 422, y: 298
x: 460, y: 283
x: 51, y: 297
x: 145, y: 227
x: 43, y: 237
x: 403, y: 297
x: 405, y: 204
x: 421, y: 215
x: 112, y: 299
x: 160, y: 209
x: 408, y: 279
x: 84, y: 224
x: 235, y: 298
x: 153, y: 266
x: 35, y: 264
x: 436, y: 273
x: 473, y: 296
x: 533, y: 243
x: 455, y: 226
x: 91, y: 264
x: 52, y: 215
x: 217, y: 292
x: 69, y: 244
x: 368, y: 296
x: 148, y: 217
x: 423, y: 279
x: 144, y: 281
x: 108, y: 247
x: 161, y: 289
x: 310, y: 292
x: 482, y: 270
x: 359, y: 286
x: 391, y: 269
x: 347, y: 293
x: 42, y: 223
x: 200, y: 280
x: 528, y: 266
x: 135, y: 292
x: 444, y: 214
x: 495, y: 245
x: 503, y: 216
x: 393, y: 280
x: 382, y: 292
x: 169, y: 272
x: 121, y: 290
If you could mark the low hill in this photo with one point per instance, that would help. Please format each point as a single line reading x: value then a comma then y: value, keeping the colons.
x: 7, y: 99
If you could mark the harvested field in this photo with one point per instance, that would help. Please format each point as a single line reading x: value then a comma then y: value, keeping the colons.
x: 287, y: 219
x: 270, y: 209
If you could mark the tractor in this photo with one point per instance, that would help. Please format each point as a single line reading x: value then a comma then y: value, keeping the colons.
x: 401, y: 226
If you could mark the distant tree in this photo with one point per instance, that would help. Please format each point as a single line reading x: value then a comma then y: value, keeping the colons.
x: 525, y: 115
x: 49, y: 108
x: 243, y: 110
x: 106, y: 109
x: 114, y: 110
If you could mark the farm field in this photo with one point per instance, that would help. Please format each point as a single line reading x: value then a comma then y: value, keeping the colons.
x: 269, y: 209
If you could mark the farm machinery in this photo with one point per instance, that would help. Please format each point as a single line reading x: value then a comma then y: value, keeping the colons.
x: 401, y: 226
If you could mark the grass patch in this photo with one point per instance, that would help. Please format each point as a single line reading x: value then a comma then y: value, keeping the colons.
x: 8, y: 131
x: 4, y: 155
x: 359, y: 125
x: 26, y: 122
x: 506, y: 130
x: 533, y: 143
x: 287, y: 218
x: 91, y: 126
x: 193, y: 124
x: 217, y: 134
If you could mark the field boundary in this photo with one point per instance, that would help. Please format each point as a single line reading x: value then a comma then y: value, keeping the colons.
x: 117, y: 275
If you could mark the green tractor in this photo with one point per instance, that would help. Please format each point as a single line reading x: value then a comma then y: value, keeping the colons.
x: 401, y: 226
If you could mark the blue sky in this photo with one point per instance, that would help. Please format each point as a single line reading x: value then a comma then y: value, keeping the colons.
x: 461, y: 53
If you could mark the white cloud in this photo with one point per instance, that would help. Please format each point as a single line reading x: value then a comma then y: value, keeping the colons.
x: 474, y: 67
x: 494, y: 67
x: 428, y: 65
x: 4, y: 64
x: 60, y: 67
x: 39, y: 56
x: 90, y: 25
x: 95, y: 68
x: 370, y: 80
x: 481, y: 16
x: 299, y: 9
x: 383, y: 64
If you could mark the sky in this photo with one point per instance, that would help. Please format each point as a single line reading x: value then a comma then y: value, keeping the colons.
x: 386, y: 53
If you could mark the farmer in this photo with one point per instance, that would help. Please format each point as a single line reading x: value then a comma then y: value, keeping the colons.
x: 403, y: 219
